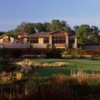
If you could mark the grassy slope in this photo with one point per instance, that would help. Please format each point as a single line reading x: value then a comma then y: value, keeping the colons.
x: 78, y: 63
x: 72, y: 64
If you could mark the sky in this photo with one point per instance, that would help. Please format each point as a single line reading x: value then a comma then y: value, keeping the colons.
x: 75, y: 12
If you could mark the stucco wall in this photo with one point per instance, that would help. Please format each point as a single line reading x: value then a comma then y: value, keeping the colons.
x: 40, y: 41
x: 12, y: 39
x: 17, y: 46
x: 59, y: 45
x: 39, y: 45
x: 5, y: 37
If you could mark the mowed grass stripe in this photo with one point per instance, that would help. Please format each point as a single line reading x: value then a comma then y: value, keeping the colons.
x: 51, y: 71
x: 72, y: 64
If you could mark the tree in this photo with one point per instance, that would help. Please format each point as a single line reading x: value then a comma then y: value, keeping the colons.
x: 55, y: 25
x: 75, y: 28
x: 26, y: 27
x: 1, y: 33
x: 11, y: 33
x: 87, y: 34
x: 40, y: 27
x: 47, y: 26
x: 83, y: 32
x: 21, y: 27
x: 64, y: 23
x: 94, y: 37
x: 66, y: 27
x: 29, y: 28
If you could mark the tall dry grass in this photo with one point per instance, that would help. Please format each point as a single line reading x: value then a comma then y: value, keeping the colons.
x: 57, y: 87
x: 82, y: 77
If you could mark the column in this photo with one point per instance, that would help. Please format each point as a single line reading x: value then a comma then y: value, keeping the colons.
x: 50, y: 40
x: 67, y: 41
x: 76, y: 42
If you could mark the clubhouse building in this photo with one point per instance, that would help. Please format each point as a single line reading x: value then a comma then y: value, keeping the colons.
x: 40, y: 40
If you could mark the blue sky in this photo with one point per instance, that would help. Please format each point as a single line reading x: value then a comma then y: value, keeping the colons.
x: 75, y: 12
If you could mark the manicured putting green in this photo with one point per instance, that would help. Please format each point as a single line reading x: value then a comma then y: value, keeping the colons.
x: 77, y: 64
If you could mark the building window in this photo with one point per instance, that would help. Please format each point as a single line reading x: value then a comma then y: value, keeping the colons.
x: 71, y: 40
x: 5, y: 40
x: 17, y: 41
x: 28, y: 40
x: 46, y: 40
x: 59, y: 39
x: 33, y: 40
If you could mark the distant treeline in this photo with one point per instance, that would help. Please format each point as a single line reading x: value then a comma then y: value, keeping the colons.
x: 87, y: 34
